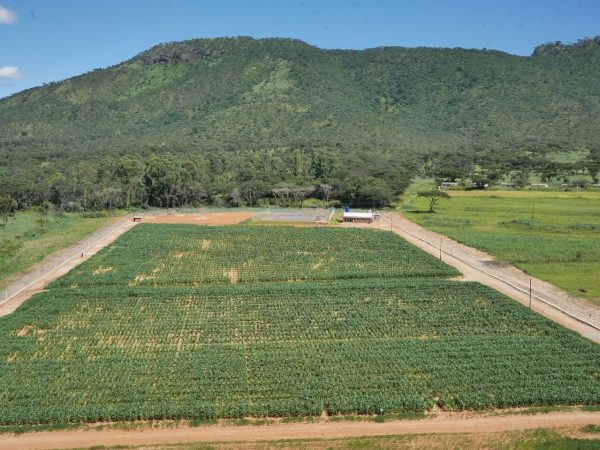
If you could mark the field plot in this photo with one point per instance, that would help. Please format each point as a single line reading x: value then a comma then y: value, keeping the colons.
x: 192, y: 255
x: 401, y: 337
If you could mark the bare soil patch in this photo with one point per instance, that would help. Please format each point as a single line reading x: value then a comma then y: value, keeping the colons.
x: 30, y: 330
x: 233, y: 274
x: 101, y: 270
x: 142, y: 276
x: 224, y: 218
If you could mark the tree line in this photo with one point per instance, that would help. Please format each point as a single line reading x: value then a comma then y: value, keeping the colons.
x: 277, y: 177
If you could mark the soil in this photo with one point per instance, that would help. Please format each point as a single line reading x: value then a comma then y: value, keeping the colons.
x: 226, y: 218
x: 232, y: 274
x: 321, y: 430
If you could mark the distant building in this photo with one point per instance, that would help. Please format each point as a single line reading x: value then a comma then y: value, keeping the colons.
x: 449, y: 184
x: 359, y: 217
x: 539, y: 185
x: 507, y: 184
x: 597, y: 185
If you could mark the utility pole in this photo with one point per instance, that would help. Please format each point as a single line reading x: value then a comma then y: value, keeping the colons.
x: 530, y: 293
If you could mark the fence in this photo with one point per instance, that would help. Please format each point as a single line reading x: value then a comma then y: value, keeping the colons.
x: 573, y: 309
x: 45, y: 268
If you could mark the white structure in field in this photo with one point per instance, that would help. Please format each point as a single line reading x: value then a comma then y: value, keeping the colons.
x: 359, y: 217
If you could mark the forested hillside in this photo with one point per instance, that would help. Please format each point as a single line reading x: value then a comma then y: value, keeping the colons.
x: 226, y: 121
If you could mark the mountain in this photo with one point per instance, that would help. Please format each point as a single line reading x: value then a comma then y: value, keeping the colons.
x: 226, y: 96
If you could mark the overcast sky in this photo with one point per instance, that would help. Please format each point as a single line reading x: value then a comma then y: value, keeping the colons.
x: 43, y: 40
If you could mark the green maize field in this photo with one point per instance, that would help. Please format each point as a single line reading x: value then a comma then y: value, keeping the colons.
x: 193, y: 344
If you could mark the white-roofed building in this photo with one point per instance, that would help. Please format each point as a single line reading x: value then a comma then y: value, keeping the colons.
x: 359, y: 217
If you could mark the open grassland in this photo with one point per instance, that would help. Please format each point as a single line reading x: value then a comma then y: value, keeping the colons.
x: 552, y: 235
x: 24, y: 242
x: 189, y: 344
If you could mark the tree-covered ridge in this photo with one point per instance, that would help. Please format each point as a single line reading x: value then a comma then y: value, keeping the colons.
x: 274, y: 110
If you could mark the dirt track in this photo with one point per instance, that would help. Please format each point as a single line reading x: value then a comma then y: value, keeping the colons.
x: 56, y: 271
x: 327, y: 430
x: 226, y: 218
x: 476, y: 265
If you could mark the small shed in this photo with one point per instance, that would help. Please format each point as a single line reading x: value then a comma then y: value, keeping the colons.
x: 449, y: 184
x: 358, y: 217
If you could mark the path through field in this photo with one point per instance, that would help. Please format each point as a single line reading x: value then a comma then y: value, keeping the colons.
x: 479, y: 266
x: 60, y: 263
x: 319, y: 430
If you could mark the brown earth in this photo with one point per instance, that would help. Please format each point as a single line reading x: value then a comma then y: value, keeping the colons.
x: 226, y: 218
x: 442, y: 424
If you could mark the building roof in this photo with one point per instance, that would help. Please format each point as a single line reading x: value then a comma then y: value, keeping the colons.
x: 358, y: 215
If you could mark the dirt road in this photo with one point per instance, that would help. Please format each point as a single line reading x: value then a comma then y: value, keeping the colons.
x: 204, y: 218
x: 58, y: 265
x: 479, y: 266
x: 327, y: 430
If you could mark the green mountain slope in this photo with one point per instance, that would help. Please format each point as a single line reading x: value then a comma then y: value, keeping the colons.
x: 217, y: 96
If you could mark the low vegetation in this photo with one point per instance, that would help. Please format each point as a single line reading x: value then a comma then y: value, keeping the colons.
x: 230, y: 121
x: 158, y: 255
x: 27, y: 238
x: 552, y: 235
x: 195, y: 343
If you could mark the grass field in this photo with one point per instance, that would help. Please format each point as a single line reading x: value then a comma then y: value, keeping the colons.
x: 24, y: 243
x: 552, y: 235
x: 187, y: 345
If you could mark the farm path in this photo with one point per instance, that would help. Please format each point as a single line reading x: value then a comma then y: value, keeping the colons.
x: 320, y: 430
x: 58, y: 264
x: 203, y: 218
x: 576, y: 314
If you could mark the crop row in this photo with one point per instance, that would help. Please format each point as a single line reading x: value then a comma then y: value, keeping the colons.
x: 284, y: 349
x: 159, y: 255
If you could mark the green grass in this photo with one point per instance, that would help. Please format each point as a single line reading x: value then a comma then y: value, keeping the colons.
x: 551, y: 235
x: 188, y: 344
x: 24, y: 243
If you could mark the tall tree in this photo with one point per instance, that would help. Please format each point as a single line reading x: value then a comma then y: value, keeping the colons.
x: 7, y: 208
